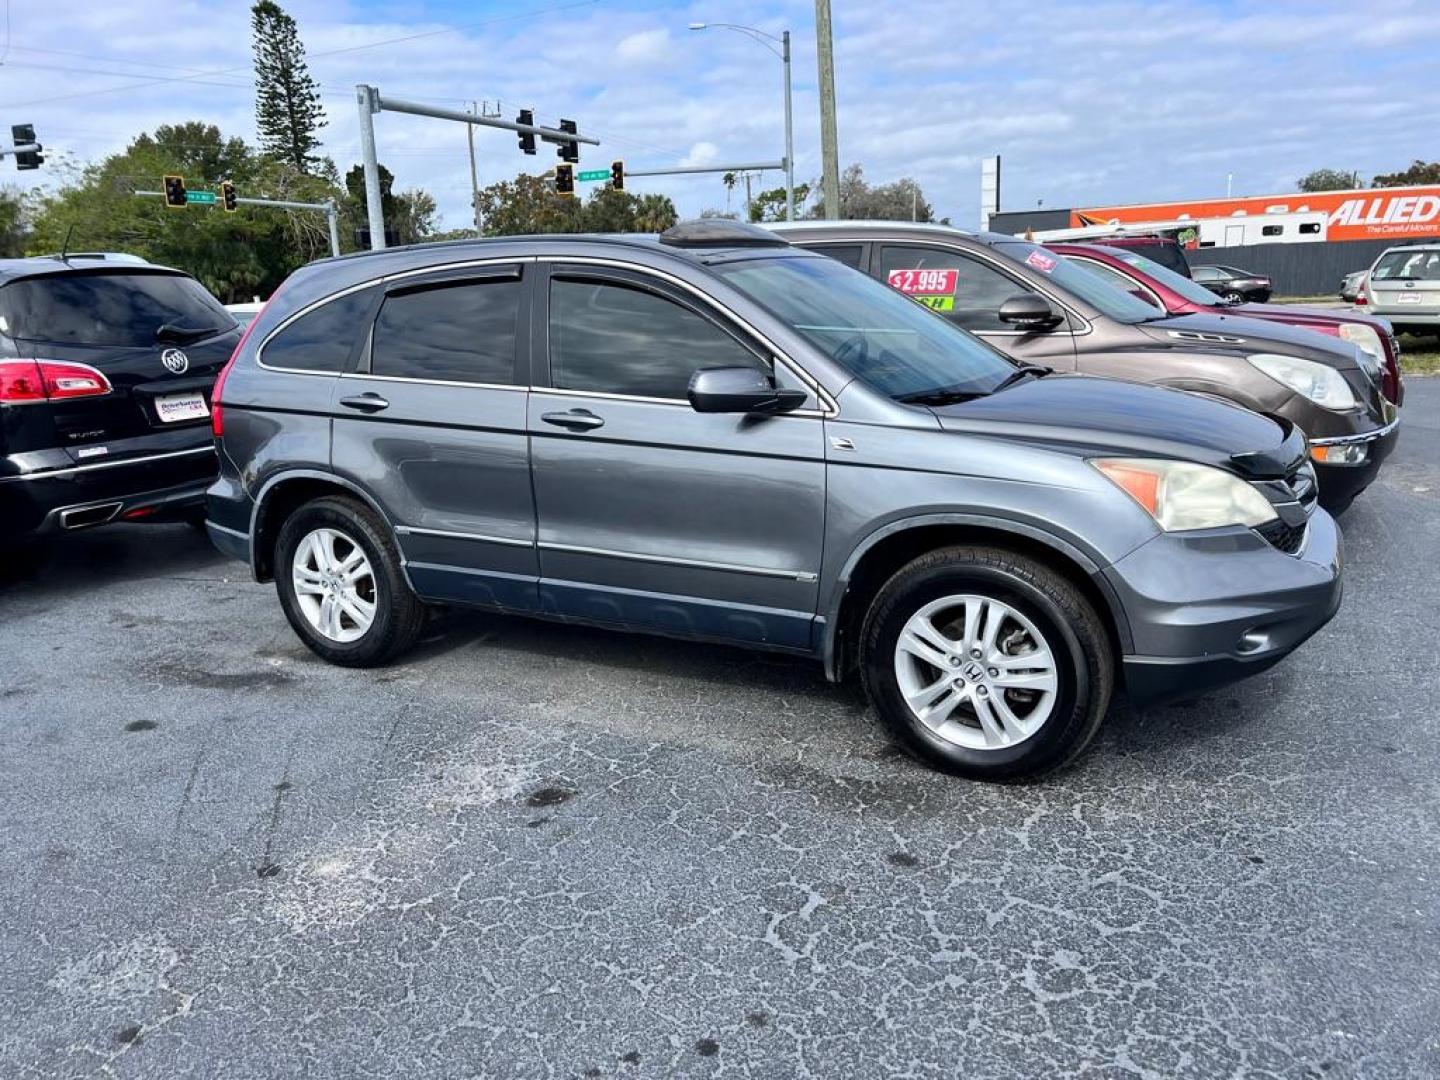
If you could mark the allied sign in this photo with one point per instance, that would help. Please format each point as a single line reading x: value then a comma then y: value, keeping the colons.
x: 1359, y: 214
x: 593, y: 174
x: 200, y: 198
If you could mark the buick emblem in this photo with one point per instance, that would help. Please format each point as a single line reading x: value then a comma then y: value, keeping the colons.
x: 175, y: 361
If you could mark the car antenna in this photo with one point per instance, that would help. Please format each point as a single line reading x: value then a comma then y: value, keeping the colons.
x: 65, y: 247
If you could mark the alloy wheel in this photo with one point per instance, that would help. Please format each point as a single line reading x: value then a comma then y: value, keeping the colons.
x: 334, y: 585
x: 976, y: 672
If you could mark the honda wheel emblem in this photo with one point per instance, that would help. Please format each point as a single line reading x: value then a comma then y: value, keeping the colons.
x: 175, y: 361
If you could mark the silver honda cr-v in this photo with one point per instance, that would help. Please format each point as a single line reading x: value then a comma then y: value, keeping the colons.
x: 716, y: 435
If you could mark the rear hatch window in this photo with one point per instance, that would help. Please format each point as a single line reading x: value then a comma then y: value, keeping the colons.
x: 157, y: 336
x: 118, y: 309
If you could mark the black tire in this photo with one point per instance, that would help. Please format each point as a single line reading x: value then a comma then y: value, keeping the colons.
x: 1085, y: 664
x: 399, y: 613
x: 1235, y: 297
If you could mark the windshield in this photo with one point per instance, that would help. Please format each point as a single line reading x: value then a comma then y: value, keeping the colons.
x: 108, y: 308
x: 1196, y: 294
x: 883, y: 338
x: 1106, y: 299
x: 1407, y: 266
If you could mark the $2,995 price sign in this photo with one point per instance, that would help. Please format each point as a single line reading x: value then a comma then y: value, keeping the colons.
x: 923, y: 282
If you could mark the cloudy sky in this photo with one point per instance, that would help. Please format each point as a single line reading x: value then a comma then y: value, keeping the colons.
x: 1088, y: 102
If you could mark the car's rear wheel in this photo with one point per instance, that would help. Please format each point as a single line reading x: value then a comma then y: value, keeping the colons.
x: 1234, y: 297
x: 986, y: 664
x: 338, y: 576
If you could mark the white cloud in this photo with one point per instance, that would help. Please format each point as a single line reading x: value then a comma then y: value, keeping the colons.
x: 702, y: 153
x: 646, y: 47
x: 1119, y: 100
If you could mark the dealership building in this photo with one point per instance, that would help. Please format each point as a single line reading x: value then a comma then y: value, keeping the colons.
x: 1305, y: 241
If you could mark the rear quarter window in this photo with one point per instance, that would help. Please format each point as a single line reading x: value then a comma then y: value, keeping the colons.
x: 107, y: 307
x: 323, y: 338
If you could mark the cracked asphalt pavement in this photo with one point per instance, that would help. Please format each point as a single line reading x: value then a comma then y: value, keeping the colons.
x: 540, y: 851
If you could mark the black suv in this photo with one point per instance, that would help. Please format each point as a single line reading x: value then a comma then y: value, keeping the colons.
x: 106, y: 368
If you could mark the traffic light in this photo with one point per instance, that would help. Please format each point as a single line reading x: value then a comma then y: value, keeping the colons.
x: 21, y: 134
x: 569, y: 150
x: 564, y: 179
x: 228, y: 199
x: 527, y: 138
x: 175, y: 193
x: 617, y: 175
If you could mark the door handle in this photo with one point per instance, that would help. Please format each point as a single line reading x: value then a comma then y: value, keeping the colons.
x: 576, y: 419
x: 367, y: 402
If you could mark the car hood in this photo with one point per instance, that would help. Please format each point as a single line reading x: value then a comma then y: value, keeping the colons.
x: 1237, y: 333
x: 1087, y: 415
x: 1303, y: 316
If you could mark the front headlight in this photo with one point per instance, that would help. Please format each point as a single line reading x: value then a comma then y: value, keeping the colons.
x: 1365, y: 337
x: 1323, y: 385
x: 1184, y: 495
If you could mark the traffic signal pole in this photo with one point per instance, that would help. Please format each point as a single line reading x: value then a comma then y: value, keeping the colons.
x: 328, y: 208
x: 370, y: 102
x: 752, y: 166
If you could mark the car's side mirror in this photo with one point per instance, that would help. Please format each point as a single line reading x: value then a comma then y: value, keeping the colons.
x: 740, y: 390
x: 1029, y: 311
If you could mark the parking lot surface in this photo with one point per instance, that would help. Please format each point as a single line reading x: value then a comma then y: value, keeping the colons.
x: 533, y: 850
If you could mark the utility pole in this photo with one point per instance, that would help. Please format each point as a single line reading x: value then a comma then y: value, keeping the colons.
x: 789, y: 134
x: 829, y: 140
x: 474, y: 177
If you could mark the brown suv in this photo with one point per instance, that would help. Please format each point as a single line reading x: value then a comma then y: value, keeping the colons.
x: 1037, y: 307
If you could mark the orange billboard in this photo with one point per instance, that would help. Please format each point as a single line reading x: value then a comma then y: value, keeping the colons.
x: 1361, y: 214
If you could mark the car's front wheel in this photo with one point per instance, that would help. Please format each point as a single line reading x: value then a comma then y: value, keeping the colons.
x: 338, y: 575
x: 986, y: 663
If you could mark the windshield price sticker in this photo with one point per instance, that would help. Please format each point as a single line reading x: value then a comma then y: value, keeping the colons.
x: 1040, y: 261
x: 923, y: 282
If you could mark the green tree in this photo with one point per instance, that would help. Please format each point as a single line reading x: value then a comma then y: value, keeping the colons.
x: 1329, y: 180
x: 14, y: 223
x: 1419, y: 172
x: 236, y: 256
x: 901, y: 200
x: 288, y: 114
x: 527, y: 204
x: 654, y: 213
x: 770, y: 205
x: 409, y: 215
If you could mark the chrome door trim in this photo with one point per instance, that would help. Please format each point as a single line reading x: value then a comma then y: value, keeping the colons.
x: 508, y: 541
x: 671, y: 560
x: 47, y: 474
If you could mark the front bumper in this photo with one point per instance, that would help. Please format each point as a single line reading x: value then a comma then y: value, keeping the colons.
x: 1339, y: 484
x: 1210, y: 608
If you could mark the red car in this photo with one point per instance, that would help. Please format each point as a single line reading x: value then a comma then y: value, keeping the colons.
x: 1178, y: 295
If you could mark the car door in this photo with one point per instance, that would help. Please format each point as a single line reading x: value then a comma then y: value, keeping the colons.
x: 650, y: 514
x: 968, y: 291
x: 432, y: 423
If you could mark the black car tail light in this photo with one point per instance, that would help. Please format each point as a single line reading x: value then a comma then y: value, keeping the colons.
x: 26, y: 381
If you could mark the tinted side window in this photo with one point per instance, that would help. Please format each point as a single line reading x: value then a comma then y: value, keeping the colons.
x: 615, y: 339
x: 849, y: 254
x: 321, y: 339
x: 969, y: 296
x: 1114, y: 277
x: 456, y: 332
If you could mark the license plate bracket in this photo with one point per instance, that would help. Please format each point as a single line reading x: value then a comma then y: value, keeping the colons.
x: 177, y: 408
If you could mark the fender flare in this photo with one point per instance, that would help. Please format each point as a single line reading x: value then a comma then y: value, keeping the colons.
x: 278, y: 478
x: 1085, y: 558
